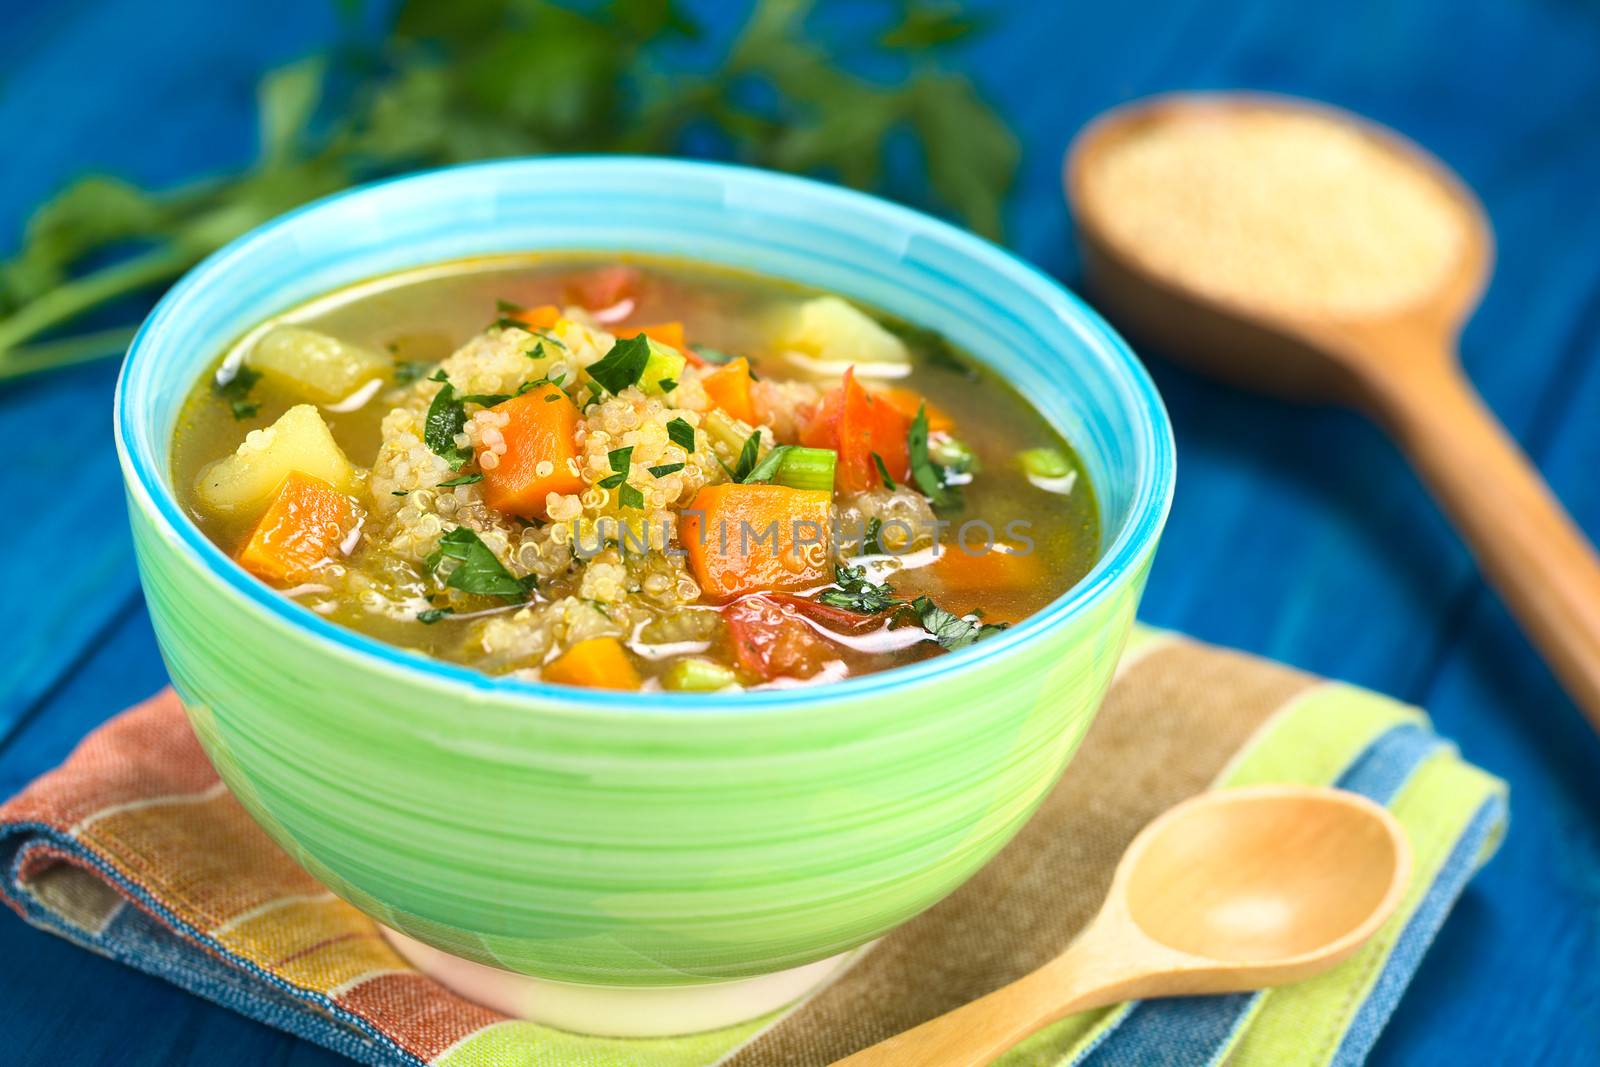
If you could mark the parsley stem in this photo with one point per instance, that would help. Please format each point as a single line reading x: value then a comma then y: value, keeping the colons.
x: 67, y: 352
x: 66, y: 302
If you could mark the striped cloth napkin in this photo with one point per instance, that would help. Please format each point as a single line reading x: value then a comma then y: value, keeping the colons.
x: 136, y: 816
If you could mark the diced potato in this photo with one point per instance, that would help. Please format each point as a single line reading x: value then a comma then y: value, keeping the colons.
x: 665, y: 364
x: 314, y: 365
x: 831, y: 335
x: 242, y: 484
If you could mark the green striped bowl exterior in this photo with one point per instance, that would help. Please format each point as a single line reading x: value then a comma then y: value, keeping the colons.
x: 623, y: 839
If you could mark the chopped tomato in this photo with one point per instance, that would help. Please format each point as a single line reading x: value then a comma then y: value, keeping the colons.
x: 857, y: 424
x: 771, y: 641
x: 605, y: 287
x: 839, y: 620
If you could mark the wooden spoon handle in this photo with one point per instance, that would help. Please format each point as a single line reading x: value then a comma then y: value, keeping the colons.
x: 977, y: 1032
x: 1525, y: 542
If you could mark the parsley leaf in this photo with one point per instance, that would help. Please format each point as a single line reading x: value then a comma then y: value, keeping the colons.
x: 855, y: 593
x: 629, y: 497
x: 236, y: 389
x: 446, y: 418
x: 929, y: 477
x: 666, y: 469
x: 478, y: 570
x: 433, y: 615
x: 623, y: 365
x: 620, y: 460
x: 746, y: 465
x: 667, y: 385
x: 949, y: 630
x: 883, y: 471
x: 682, y: 434
x: 767, y: 469
x: 465, y: 479
x: 711, y: 355
x: 487, y: 400
x: 408, y: 371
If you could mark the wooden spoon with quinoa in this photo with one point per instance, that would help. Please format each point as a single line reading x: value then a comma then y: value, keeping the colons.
x: 1284, y: 245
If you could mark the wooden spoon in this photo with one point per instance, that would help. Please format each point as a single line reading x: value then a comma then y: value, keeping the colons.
x: 1231, y: 890
x: 1399, y: 364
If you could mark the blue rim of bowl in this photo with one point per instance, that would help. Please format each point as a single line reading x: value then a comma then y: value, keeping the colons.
x: 1155, y: 453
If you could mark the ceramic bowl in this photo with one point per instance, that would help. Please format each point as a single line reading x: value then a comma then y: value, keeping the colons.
x: 620, y: 839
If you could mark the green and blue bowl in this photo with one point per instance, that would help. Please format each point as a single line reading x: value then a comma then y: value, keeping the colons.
x: 623, y: 839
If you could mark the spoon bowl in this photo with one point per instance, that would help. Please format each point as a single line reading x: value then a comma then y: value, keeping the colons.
x: 1264, y: 876
x: 1216, y: 301
x: 1229, y: 891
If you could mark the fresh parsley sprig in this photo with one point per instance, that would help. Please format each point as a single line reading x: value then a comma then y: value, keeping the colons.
x: 453, y: 82
x: 478, y: 570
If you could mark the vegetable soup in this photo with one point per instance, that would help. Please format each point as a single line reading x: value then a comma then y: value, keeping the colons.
x: 645, y: 474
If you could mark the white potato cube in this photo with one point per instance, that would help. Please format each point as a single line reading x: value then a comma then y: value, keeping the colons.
x: 243, y: 484
x: 833, y: 335
x: 314, y: 365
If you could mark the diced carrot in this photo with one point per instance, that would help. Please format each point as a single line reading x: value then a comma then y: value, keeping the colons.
x: 856, y: 424
x: 306, y: 524
x: 668, y: 333
x: 907, y: 401
x: 543, y: 430
x: 978, y: 580
x: 605, y: 287
x: 598, y: 663
x: 540, y: 318
x: 729, y: 389
x: 754, y: 538
x: 771, y: 641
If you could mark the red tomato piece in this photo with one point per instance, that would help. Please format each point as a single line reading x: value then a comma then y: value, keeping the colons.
x: 604, y: 287
x: 771, y: 641
x: 857, y: 424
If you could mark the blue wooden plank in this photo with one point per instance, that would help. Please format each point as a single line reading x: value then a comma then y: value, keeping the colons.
x: 1297, y: 533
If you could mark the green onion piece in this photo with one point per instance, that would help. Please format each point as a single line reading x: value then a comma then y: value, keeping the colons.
x: 1044, y: 463
x: 807, y: 468
x: 697, y: 676
x: 952, y: 454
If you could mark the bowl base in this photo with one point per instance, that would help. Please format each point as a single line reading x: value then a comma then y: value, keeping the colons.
x: 620, y: 1011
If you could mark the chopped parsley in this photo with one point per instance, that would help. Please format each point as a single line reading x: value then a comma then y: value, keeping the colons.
x: 667, y: 384
x: 852, y: 591
x: 536, y: 352
x: 487, y: 400
x: 410, y: 370
x: 711, y: 355
x: 928, y: 476
x: 236, y: 391
x: 746, y: 466
x: 620, y: 459
x: 446, y: 417
x: 870, y: 545
x: 506, y: 307
x: 949, y: 630
x: 767, y: 469
x: 883, y: 471
x: 682, y: 434
x: 623, y: 365
x: 465, y: 479
x: 666, y: 469
x: 433, y: 615
x: 855, y: 593
x: 478, y: 570
x: 629, y: 497
x: 550, y: 337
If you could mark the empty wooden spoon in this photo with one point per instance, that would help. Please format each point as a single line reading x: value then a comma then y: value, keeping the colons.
x: 1231, y: 890
x: 1288, y: 246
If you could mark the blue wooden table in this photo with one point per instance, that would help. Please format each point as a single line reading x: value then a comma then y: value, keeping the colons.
x: 1297, y: 533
